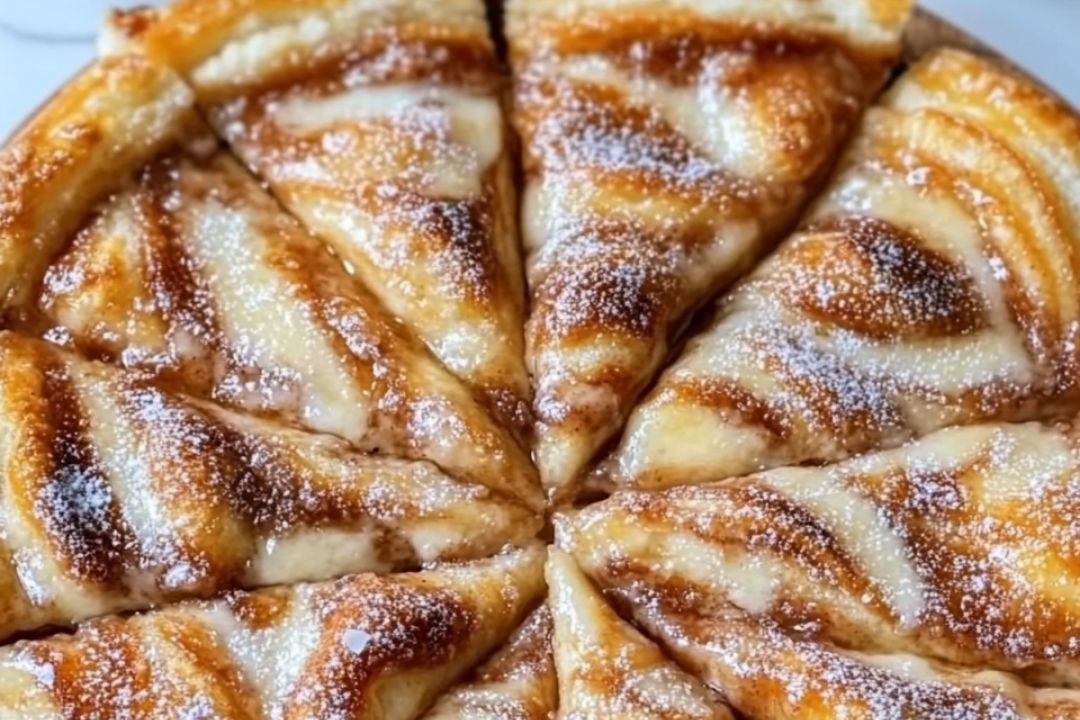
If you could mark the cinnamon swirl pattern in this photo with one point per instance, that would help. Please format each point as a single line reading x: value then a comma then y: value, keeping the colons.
x: 117, y: 495
x: 62, y: 161
x: 518, y: 683
x: 379, y: 125
x: 933, y: 285
x: 223, y: 394
x: 606, y: 668
x: 666, y: 145
x: 361, y: 647
x: 933, y: 581
x: 186, y: 269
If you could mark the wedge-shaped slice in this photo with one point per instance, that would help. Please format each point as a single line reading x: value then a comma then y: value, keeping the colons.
x: 60, y: 164
x: 115, y: 495
x: 934, y: 285
x: 606, y: 668
x: 379, y: 125
x: 518, y: 683
x: 187, y: 268
x: 771, y: 675
x: 860, y: 581
x: 361, y: 648
x: 667, y: 144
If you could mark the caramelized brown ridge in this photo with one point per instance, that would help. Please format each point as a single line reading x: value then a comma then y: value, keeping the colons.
x: 623, y: 280
x: 577, y: 127
x: 735, y: 402
x: 107, y: 677
x: 878, y: 280
x: 456, y: 231
x: 677, y: 43
x: 73, y: 498
x: 444, y: 55
x: 396, y: 628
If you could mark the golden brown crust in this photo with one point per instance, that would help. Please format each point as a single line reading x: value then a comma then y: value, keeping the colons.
x: 933, y: 284
x: 606, y: 668
x: 379, y: 125
x: 518, y: 683
x: 118, y: 495
x: 110, y: 119
x: 875, y: 25
x: 187, y: 33
x: 360, y: 647
x: 665, y: 147
x: 949, y: 554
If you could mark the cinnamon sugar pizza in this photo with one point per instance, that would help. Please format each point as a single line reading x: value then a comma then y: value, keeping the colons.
x: 274, y: 354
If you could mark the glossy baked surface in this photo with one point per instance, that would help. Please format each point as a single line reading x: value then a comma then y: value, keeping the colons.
x: 925, y: 289
x: 666, y: 146
x: 117, y: 495
x: 362, y: 647
x: 939, y: 575
x: 227, y: 386
x: 383, y: 132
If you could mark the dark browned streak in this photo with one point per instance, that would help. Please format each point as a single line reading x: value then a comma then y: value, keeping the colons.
x: 409, y: 628
x: 885, y: 282
x: 74, y: 501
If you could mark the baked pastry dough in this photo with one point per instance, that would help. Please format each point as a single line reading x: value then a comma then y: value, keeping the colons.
x: 186, y: 268
x: 606, y: 668
x: 518, y: 683
x: 933, y: 285
x: 362, y: 648
x: 379, y: 125
x: 66, y: 158
x: 117, y: 495
x: 667, y: 144
x: 938, y: 577
x: 201, y: 396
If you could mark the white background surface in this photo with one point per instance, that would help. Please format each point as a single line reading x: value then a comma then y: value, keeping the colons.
x: 43, y: 42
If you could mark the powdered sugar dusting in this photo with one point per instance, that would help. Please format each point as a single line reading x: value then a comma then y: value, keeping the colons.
x: 322, y: 651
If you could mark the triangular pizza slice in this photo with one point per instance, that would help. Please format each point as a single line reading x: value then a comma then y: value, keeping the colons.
x: 667, y: 145
x: 934, y: 284
x: 518, y: 683
x: 175, y: 262
x: 102, y: 124
x: 930, y: 581
x: 116, y: 495
x: 606, y: 669
x: 379, y: 124
x: 361, y: 648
